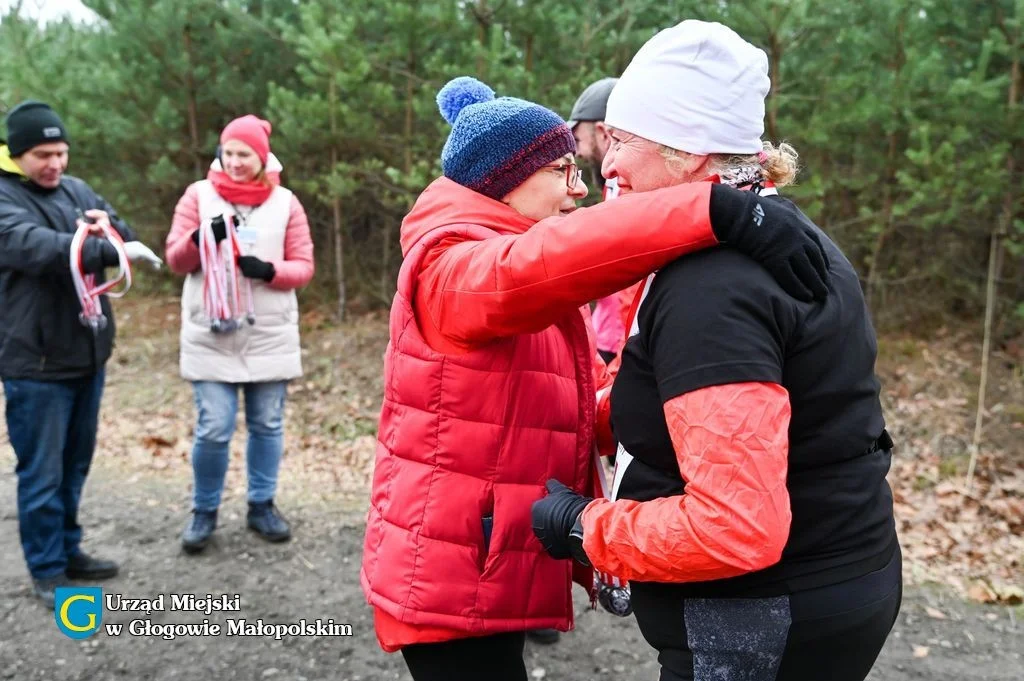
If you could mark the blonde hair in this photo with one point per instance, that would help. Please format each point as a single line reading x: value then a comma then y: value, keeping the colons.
x: 262, y: 178
x: 780, y: 164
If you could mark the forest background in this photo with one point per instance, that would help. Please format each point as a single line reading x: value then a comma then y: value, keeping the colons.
x: 906, y: 115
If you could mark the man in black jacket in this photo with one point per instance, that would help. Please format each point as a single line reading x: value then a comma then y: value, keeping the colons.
x: 51, y: 364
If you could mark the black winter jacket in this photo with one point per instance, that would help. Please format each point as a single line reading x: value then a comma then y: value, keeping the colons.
x: 41, y: 337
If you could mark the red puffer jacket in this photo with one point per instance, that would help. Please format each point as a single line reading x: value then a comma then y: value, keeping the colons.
x: 489, y: 391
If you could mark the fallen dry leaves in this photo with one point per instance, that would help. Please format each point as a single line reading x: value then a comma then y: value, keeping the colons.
x: 972, y: 541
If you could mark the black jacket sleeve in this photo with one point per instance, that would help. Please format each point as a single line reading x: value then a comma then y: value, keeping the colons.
x: 33, y: 247
x: 29, y: 247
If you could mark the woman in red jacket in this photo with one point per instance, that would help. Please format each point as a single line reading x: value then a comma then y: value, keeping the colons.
x: 490, y: 385
x: 752, y: 517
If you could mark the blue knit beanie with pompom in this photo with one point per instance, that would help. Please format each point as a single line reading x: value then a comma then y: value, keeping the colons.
x: 496, y: 143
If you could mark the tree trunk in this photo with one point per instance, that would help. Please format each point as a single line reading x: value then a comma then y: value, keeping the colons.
x: 996, y: 238
x: 888, y: 199
x: 483, y: 20
x: 385, y: 261
x: 386, y: 278
x: 775, y: 57
x: 986, y: 346
x: 624, y: 53
x: 328, y: 252
x: 193, y: 115
x: 339, y: 250
x: 407, y: 131
x: 889, y: 175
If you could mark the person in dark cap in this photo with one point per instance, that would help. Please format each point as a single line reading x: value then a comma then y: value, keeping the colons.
x: 587, y: 124
x: 592, y: 144
x: 51, y: 364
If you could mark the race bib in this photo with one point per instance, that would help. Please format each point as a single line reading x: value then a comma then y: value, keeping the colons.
x: 248, y: 236
x: 622, y: 461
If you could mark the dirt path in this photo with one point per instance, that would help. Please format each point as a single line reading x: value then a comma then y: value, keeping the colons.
x: 137, y: 499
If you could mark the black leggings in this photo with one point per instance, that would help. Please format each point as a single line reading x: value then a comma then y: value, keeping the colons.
x: 498, y: 657
x: 833, y: 632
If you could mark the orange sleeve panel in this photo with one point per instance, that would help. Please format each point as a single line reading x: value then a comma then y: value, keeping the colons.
x: 477, y: 290
x: 732, y: 447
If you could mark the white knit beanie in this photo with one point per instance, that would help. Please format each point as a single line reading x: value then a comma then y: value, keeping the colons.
x: 696, y: 87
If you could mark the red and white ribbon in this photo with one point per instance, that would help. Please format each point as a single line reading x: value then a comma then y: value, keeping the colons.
x: 602, y: 483
x: 85, y: 284
x: 222, y: 284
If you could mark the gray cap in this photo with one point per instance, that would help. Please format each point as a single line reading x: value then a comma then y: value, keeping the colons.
x: 591, y: 105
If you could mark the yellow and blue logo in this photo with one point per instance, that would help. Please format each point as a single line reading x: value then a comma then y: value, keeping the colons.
x: 78, y: 610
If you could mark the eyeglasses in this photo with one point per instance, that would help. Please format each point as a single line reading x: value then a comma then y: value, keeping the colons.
x: 572, y: 173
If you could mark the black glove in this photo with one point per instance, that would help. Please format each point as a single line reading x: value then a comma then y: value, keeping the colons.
x: 97, y: 254
x: 776, y: 235
x: 554, y: 516
x: 254, y: 268
x: 220, y: 230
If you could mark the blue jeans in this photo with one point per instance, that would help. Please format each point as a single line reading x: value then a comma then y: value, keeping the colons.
x: 52, y: 426
x: 216, y: 406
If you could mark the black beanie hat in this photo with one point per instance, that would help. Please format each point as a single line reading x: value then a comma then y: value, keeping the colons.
x: 32, y: 123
